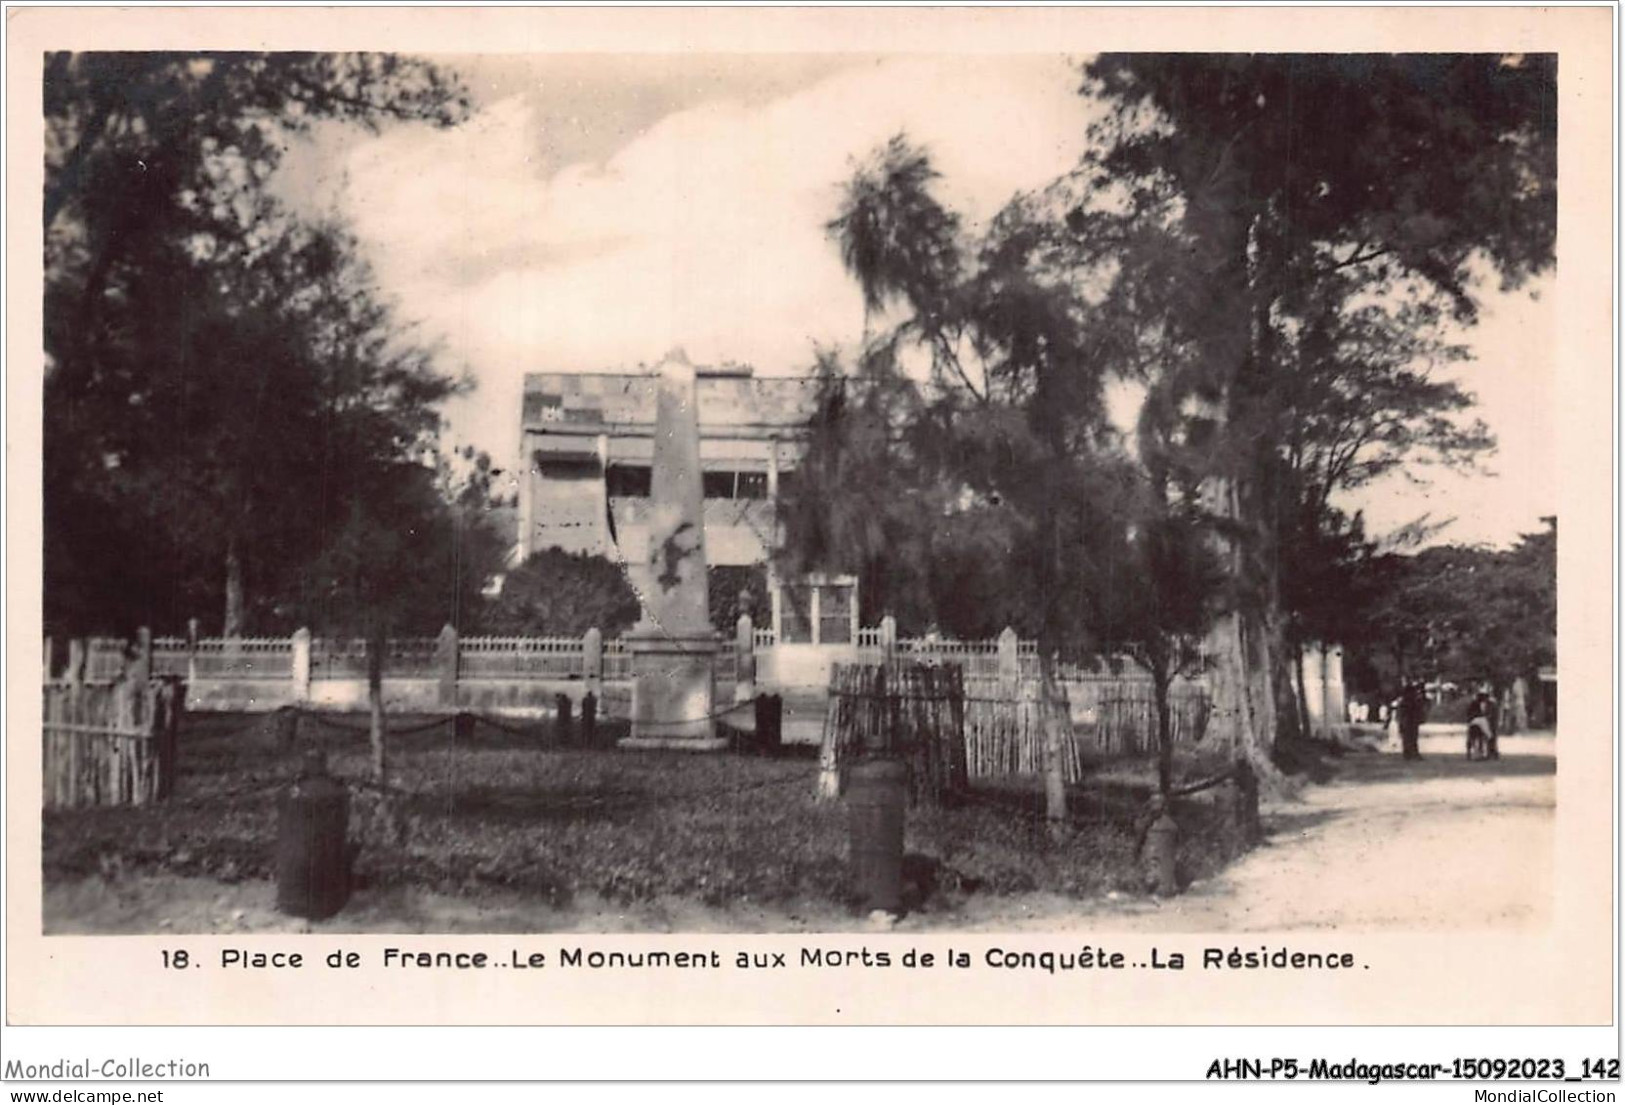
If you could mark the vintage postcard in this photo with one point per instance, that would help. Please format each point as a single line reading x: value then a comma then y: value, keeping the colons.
x: 810, y: 517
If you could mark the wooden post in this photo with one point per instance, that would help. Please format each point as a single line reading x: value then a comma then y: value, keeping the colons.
x: 888, y: 639
x: 828, y: 787
x: 1009, y: 662
x: 378, y: 730
x: 69, y: 792
x: 141, y: 670
x: 592, y: 660
x: 1056, y: 721
x: 46, y: 674
x: 191, y: 651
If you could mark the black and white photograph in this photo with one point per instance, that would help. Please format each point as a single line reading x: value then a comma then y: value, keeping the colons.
x: 883, y: 492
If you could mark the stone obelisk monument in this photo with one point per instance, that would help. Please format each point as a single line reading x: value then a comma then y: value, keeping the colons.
x: 673, y: 646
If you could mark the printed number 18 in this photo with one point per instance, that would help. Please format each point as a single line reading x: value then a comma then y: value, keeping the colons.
x: 175, y: 958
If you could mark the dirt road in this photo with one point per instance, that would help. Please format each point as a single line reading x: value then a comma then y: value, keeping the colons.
x: 1386, y: 845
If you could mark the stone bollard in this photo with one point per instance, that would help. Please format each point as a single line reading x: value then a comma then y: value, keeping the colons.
x: 589, y: 719
x: 759, y: 738
x: 313, y: 861
x: 1163, y: 841
x: 287, y: 729
x: 876, y: 793
x: 769, y: 724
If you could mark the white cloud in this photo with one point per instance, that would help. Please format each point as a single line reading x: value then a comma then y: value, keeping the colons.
x: 1513, y: 378
x: 705, y: 231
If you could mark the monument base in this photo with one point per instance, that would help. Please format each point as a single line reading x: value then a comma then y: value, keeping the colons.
x: 673, y: 693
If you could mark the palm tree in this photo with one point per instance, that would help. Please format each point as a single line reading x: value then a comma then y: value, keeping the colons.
x: 895, y: 239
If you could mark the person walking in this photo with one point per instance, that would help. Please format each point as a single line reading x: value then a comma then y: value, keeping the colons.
x: 1413, y: 706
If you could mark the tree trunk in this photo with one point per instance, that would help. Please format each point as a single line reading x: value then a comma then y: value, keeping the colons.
x: 375, y: 701
x: 1300, y: 681
x: 1241, y: 680
x: 1260, y: 641
x: 1278, y: 657
x: 1165, y: 742
x: 1249, y: 678
x: 233, y: 627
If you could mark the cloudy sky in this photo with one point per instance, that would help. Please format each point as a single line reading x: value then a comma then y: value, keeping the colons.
x: 598, y: 210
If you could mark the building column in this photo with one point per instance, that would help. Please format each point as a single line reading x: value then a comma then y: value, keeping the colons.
x: 776, y: 599
x: 773, y: 582
x: 605, y: 548
x: 1335, y: 710
x: 1312, y: 674
x: 527, y: 476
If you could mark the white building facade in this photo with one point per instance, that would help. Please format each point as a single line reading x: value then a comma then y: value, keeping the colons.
x: 587, y: 446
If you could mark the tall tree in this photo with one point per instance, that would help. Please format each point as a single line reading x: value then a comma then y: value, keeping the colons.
x: 1281, y: 172
x: 894, y: 236
x: 212, y: 362
x: 1001, y: 444
x: 560, y: 594
x: 1470, y: 615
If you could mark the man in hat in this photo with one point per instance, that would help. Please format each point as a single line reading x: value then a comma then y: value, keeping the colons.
x: 1413, y: 705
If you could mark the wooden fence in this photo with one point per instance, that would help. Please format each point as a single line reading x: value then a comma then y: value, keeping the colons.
x: 995, y: 727
x: 915, y: 712
x: 1004, y: 735
x: 1120, y: 715
x: 110, y: 744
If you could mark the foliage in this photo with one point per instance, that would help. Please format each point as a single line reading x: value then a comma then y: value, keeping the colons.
x: 1468, y: 615
x: 854, y: 504
x: 217, y: 370
x: 721, y: 831
x: 893, y: 232
x: 561, y: 594
x: 381, y: 567
x: 1413, y: 163
x: 735, y: 590
x: 967, y: 497
x: 1280, y: 237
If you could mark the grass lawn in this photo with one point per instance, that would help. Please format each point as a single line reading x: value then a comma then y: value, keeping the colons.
x: 506, y: 811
